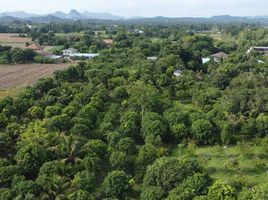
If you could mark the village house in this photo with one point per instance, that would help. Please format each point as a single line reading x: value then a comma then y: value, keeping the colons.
x: 108, y: 41
x: 177, y: 73
x: 152, y: 58
x: 73, y: 53
x: 218, y: 57
x: 35, y: 48
x: 69, y: 52
x: 84, y: 55
x: 258, y: 49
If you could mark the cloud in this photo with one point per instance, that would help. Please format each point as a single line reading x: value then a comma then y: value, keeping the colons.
x: 142, y: 7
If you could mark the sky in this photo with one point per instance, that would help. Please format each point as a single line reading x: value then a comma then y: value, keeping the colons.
x: 146, y: 8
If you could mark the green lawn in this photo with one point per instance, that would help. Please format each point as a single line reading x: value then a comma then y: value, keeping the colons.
x: 69, y: 34
x: 220, y: 163
x: 13, y: 44
x: 12, y: 92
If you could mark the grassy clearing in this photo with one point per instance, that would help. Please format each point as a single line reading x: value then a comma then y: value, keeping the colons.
x: 13, y: 44
x: 232, y: 165
x: 12, y: 92
x: 69, y: 34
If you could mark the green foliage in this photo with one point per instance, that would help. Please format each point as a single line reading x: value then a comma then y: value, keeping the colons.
x: 116, y: 185
x: 78, y: 134
x: 152, y: 193
x: 84, y: 181
x: 221, y: 191
x: 191, y: 187
x: 169, y: 171
x: 202, y: 131
x: 30, y: 158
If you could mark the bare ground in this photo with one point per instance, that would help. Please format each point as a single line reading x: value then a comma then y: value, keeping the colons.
x: 13, y: 38
x: 13, y: 76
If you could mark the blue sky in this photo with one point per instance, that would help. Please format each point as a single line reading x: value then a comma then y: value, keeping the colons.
x: 171, y: 8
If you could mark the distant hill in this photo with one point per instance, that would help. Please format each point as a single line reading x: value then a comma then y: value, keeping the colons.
x: 76, y: 15
x: 73, y: 14
x: 18, y: 14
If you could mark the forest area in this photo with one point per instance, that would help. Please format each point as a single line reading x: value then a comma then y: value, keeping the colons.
x: 165, y: 112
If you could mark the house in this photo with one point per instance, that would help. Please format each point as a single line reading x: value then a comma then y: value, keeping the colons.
x: 205, y: 60
x: 177, y: 73
x: 108, y: 41
x: 152, y: 58
x: 35, y: 47
x: 219, y: 56
x: 29, y: 26
x: 84, y: 55
x: 258, y: 49
x: 69, y: 52
x: 260, y: 62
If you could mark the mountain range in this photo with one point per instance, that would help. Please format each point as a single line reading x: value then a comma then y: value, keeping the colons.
x: 75, y: 15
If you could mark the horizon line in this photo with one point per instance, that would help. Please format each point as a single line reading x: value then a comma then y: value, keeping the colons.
x: 114, y: 14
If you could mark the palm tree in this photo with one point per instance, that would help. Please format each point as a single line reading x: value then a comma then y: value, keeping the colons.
x: 56, y: 189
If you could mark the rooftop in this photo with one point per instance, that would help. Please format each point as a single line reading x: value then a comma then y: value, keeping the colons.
x: 219, y: 55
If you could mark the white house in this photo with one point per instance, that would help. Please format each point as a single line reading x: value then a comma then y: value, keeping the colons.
x: 177, y: 73
x: 84, y: 55
x: 258, y: 49
x: 153, y: 58
x: 205, y: 60
x: 69, y: 52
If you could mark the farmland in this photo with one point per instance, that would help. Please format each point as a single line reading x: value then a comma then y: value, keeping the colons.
x: 24, y: 75
x: 13, y: 39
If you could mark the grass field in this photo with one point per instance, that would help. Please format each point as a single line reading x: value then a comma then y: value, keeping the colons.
x: 14, y: 76
x: 11, y: 92
x: 13, y: 39
x: 232, y: 164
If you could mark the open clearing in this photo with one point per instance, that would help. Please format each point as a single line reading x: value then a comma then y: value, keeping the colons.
x: 13, y: 39
x: 14, y: 76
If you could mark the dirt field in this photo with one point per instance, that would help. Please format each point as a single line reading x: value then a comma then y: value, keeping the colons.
x: 26, y: 74
x: 13, y: 39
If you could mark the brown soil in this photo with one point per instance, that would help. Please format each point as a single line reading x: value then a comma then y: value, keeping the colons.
x: 12, y: 76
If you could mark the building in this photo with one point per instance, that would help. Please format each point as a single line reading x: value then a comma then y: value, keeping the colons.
x: 219, y: 56
x: 260, y: 62
x: 35, y: 47
x: 84, y: 55
x: 258, y: 49
x: 177, y: 73
x: 205, y: 60
x: 69, y: 52
x: 108, y: 41
x: 152, y: 58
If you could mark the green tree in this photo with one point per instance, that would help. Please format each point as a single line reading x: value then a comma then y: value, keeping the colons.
x: 167, y: 172
x: 152, y: 193
x: 84, y: 181
x: 116, y: 185
x: 221, y: 191
x: 30, y: 158
x: 202, y: 131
